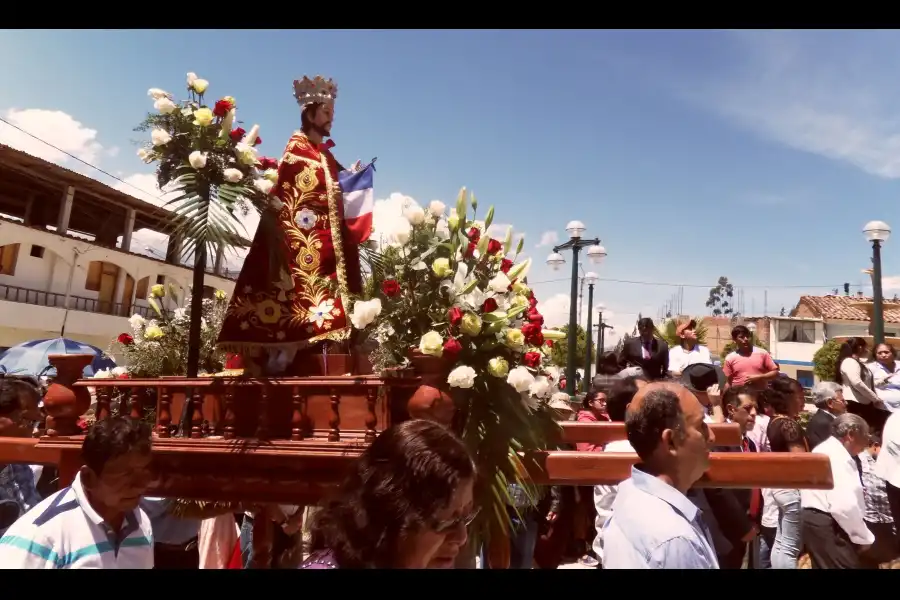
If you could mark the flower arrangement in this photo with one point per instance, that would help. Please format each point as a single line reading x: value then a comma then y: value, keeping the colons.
x: 159, y: 347
x: 445, y: 289
x: 215, y: 169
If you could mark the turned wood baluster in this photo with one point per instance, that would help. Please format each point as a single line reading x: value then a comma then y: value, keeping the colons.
x: 123, y: 401
x: 102, y: 403
x: 262, y: 423
x: 163, y: 415
x: 229, y: 413
x: 371, y: 419
x: 136, y: 402
x: 197, y: 416
x: 297, y: 402
x: 335, y: 434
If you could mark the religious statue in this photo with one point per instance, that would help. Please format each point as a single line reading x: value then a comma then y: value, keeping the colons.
x: 274, y: 315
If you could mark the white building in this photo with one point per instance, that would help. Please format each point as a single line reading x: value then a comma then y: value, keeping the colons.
x: 66, y: 259
x: 793, y: 342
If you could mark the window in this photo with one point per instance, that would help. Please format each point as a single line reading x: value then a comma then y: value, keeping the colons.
x: 792, y: 331
x: 806, y: 378
x: 37, y: 251
x: 9, y: 255
x: 142, y: 291
x: 95, y: 272
x: 160, y: 280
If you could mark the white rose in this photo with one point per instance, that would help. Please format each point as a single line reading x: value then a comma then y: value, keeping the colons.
x: 232, y: 175
x: 414, y: 214
x: 136, y: 321
x: 500, y: 283
x: 400, y: 232
x: 119, y: 371
x: 180, y: 313
x: 157, y: 94
x: 437, y: 208
x: 462, y: 377
x: 164, y: 105
x: 365, y: 312
x: 197, y: 159
x: 102, y: 374
x: 442, y: 230
x: 263, y: 185
x: 160, y: 137
x: 520, y: 378
x: 191, y: 78
x: 246, y: 154
x: 144, y: 155
x: 271, y: 175
x: 432, y: 344
x: 540, y: 388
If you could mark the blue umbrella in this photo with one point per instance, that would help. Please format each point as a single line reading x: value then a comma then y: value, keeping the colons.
x: 30, y: 358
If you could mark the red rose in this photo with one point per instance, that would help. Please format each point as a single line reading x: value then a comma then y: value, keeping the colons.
x: 549, y: 342
x: 390, y: 288
x: 489, y: 306
x: 455, y: 315
x: 474, y: 234
x: 494, y: 246
x: 532, y: 359
x: 452, y: 347
x: 533, y: 316
x: 506, y: 265
x: 537, y: 339
x: 531, y: 331
x: 532, y: 301
x: 258, y: 141
x: 470, y: 251
x: 237, y: 134
x: 125, y: 339
x: 81, y: 424
x: 222, y: 107
x: 124, y: 376
x: 268, y: 163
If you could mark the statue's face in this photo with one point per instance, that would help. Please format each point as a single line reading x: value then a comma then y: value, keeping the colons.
x: 323, y: 117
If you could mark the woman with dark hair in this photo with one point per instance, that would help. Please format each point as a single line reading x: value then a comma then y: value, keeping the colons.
x: 784, y: 397
x: 884, y: 366
x: 406, y: 504
x: 859, y: 384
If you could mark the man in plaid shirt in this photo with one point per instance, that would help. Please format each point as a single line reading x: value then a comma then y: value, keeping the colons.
x: 18, y: 412
x: 878, y: 512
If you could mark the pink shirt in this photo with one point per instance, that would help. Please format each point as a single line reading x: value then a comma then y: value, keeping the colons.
x: 738, y: 367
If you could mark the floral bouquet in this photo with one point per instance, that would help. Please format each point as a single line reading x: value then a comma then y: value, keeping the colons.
x: 159, y: 347
x: 213, y: 165
x: 444, y: 288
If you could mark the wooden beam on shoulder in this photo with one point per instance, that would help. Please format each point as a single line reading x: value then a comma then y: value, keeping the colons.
x: 727, y: 469
x: 727, y: 434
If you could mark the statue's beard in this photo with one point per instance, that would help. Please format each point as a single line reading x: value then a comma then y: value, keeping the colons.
x: 322, y: 130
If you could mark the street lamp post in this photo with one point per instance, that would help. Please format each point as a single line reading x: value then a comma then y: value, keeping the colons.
x: 877, y: 232
x: 596, y: 253
x: 590, y: 278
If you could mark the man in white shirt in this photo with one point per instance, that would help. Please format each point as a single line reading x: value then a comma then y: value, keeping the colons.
x: 689, y: 352
x: 830, y: 546
x: 888, y: 464
x: 96, y: 522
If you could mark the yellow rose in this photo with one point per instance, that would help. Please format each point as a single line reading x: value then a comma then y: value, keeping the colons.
x: 453, y: 221
x: 203, y: 117
x: 514, y: 338
x: 520, y: 288
x: 519, y: 300
x: 200, y: 85
x: 158, y: 290
x: 498, y: 367
x: 470, y: 325
x: 432, y: 344
x: 220, y: 294
x: 153, y: 333
x: 441, y: 267
x: 271, y: 175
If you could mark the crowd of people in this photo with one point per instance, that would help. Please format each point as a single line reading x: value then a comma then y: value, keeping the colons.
x: 408, y: 501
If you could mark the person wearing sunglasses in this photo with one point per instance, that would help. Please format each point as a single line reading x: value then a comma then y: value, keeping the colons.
x: 406, y: 504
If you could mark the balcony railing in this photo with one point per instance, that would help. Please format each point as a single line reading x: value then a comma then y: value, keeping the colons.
x: 12, y: 293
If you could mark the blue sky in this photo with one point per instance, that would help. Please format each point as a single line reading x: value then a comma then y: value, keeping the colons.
x: 691, y: 154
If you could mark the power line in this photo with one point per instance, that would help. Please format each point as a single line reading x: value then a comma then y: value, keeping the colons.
x: 692, y: 285
x: 84, y: 162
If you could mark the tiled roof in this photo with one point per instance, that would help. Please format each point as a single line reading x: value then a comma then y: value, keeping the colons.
x: 838, y: 307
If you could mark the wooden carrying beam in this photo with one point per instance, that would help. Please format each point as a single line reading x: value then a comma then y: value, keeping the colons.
x: 726, y: 434
x: 27, y: 451
x: 726, y: 470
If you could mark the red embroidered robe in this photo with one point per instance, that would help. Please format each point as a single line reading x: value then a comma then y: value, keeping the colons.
x: 308, y: 304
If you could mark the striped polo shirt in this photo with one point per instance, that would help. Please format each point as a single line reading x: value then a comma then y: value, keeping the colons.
x: 65, y: 532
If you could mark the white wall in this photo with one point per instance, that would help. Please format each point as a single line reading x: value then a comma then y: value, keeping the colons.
x: 51, y: 273
x: 795, y: 351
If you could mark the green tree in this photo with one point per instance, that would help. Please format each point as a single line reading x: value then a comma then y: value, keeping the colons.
x: 560, y: 352
x: 825, y: 360
x: 720, y: 298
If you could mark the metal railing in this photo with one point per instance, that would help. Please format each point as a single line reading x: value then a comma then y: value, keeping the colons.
x: 12, y: 293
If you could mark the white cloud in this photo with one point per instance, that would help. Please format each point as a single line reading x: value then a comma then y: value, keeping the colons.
x: 842, y: 108
x: 54, y: 127
x: 548, y: 238
x: 891, y: 283
x: 555, y: 310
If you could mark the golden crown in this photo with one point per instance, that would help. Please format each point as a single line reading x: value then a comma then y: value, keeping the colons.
x: 315, y: 91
